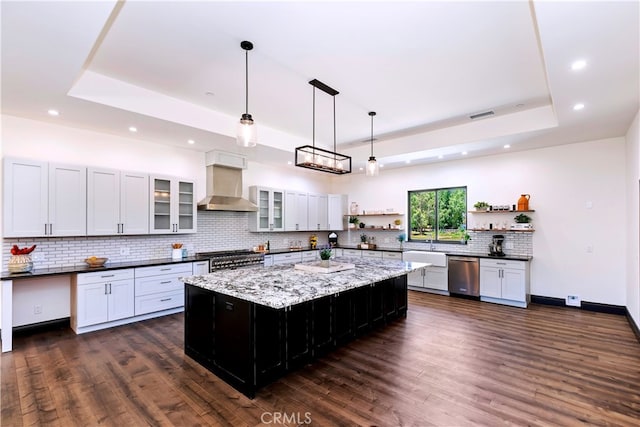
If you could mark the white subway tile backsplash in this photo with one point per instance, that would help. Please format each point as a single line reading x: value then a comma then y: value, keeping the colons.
x: 217, y: 231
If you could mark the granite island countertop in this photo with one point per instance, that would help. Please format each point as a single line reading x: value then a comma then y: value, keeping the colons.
x: 282, y: 286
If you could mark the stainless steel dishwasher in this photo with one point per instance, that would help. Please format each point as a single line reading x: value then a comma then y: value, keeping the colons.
x: 464, y: 275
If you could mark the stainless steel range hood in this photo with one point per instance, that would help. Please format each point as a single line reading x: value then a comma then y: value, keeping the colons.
x: 224, y: 184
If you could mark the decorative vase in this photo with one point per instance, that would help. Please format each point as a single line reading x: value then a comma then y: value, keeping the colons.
x: 176, y: 254
x: 20, y: 263
x: 325, y: 263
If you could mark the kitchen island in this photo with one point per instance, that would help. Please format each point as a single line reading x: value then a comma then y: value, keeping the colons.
x: 251, y: 326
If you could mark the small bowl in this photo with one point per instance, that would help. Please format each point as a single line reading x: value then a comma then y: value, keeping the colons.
x: 96, y: 262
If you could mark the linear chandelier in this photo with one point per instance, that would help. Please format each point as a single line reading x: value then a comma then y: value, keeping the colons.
x: 310, y: 157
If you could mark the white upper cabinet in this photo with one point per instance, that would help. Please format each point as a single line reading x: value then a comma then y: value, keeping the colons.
x: 172, y: 206
x: 336, y: 211
x: 271, y: 209
x: 296, y: 210
x: 117, y: 202
x: 44, y: 199
x: 318, y: 215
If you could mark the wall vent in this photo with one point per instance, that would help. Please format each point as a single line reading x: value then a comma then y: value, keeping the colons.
x: 480, y: 115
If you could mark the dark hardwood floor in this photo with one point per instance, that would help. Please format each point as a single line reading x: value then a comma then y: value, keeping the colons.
x: 451, y: 362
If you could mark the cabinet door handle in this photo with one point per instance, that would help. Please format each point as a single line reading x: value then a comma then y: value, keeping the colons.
x: 228, y: 306
x: 165, y: 282
x: 165, y: 299
x: 108, y: 275
x: 105, y: 289
x: 165, y: 269
x: 45, y: 229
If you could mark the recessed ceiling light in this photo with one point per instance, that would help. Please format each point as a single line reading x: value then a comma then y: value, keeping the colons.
x: 578, y: 107
x: 361, y: 169
x: 578, y: 65
x: 53, y: 112
x: 440, y: 156
x: 191, y: 141
x: 464, y: 153
x: 381, y: 165
x: 133, y: 129
x: 407, y: 161
x: 289, y: 162
x: 506, y: 146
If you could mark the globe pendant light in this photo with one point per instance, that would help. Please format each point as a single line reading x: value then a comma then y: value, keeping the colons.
x: 373, y: 168
x: 247, y: 132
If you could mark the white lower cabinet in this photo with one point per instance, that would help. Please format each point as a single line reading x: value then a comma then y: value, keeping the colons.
x: 159, y: 288
x: 104, y: 299
x: 504, y: 282
x: 352, y: 253
x: 286, y: 258
x: 201, y: 267
x: 431, y: 279
x: 392, y: 255
x: 372, y: 254
x: 101, y: 297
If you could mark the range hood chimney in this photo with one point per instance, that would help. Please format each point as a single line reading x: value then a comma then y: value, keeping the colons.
x: 224, y: 183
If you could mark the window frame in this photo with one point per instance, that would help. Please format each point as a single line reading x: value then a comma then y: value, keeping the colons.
x: 436, y: 201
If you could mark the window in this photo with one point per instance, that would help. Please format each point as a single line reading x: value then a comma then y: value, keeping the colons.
x: 438, y: 214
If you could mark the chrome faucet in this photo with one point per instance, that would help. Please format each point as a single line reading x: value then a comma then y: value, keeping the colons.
x: 431, y: 246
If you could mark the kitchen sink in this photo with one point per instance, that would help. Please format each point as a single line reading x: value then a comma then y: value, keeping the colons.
x: 438, y: 259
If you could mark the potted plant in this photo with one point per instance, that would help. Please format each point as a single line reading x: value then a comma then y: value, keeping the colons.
x: 522, y: 219
x: 522, y: 222
x: 481, y: 206
x: 401, y: 238
x: 465, y: 236
x: 363, y: 240
x: 325, y: 255
x: 353, y: 221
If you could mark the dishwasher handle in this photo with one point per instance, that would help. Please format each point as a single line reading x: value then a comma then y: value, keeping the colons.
x: 463, y: 259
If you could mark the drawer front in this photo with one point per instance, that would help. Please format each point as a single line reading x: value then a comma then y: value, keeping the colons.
x: 392, y: 255
x: 286, y: 258
x: 157, y: 302
x: 372, y: 254
x: 352, y: 252
x: 514, y: 265
x: 156, y: 284
x: 105, y: 276
x: 309, y: 255
x: 156, y: 270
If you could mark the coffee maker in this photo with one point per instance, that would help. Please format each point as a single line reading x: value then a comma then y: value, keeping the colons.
x: 333, y: 239
x: 495, y: 248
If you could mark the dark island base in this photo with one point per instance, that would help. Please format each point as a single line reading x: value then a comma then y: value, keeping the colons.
x: 250, y: 345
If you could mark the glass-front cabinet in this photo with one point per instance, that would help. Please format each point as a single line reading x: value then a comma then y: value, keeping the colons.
x: 173, y: 206
x: 270, y: 214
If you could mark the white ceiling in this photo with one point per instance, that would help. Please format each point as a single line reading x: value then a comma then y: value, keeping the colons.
x: 424, y: 67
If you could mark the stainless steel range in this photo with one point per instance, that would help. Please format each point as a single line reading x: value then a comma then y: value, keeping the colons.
x: 232, y: 259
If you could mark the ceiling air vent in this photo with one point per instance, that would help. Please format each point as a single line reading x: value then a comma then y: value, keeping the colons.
x: 480, y: 115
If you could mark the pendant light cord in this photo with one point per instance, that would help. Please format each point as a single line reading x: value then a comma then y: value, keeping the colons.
x: 371, y: 133
x: 313, y: 137
x: 246, y: 81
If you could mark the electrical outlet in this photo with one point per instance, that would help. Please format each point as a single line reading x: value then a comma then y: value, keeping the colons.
x: 38, y: 257
x: 37, y: 309
x: 124, y: 251
x: 508, y: 245
x: 573, y: 300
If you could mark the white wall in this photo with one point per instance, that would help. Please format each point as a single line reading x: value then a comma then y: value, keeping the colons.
x: 561, y: 181
x: 633, y: 216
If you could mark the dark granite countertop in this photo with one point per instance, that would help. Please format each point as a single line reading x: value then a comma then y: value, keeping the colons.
x: 84, y: 268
